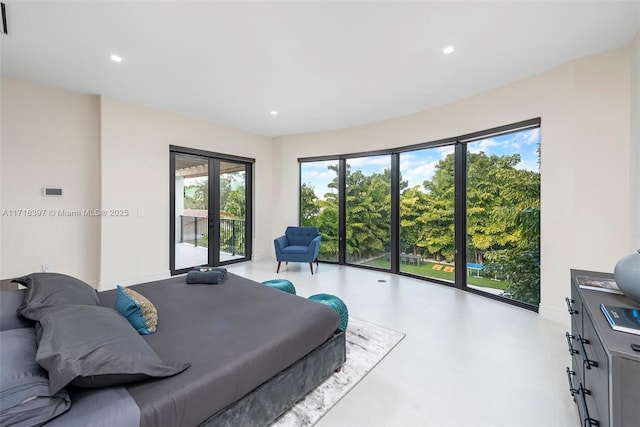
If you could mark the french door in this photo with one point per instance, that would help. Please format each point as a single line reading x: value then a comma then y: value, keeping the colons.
x: 210, y: 202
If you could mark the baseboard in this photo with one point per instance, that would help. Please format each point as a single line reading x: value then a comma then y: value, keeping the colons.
x: 105, y: 286
x: 555, y: 315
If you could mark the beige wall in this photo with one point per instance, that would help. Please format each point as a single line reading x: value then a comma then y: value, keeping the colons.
x: 49, y: 138
x: 635, y: 144
x: 114, y: 155
x: 135, y: 175
x: 584, y: 106
x: 105, y: 154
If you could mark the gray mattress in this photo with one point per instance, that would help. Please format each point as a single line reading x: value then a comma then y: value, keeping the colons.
x: 237, y: 335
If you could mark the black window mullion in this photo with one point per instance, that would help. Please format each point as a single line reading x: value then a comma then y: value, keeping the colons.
x: 248, y: 216
x: 460, y: 218
x: 394, y: 247
x: 300, y: 193
x: 342, y: 211
x: 214, y: 212
x: 172, y: 210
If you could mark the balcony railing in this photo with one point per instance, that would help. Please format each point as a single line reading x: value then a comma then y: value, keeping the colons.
x: 194, y: 230
x: 232, y: 236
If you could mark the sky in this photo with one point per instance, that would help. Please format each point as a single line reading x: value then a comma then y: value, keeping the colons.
x: 418, y: 166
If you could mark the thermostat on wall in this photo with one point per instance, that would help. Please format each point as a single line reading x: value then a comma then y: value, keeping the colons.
x: 46, y: 191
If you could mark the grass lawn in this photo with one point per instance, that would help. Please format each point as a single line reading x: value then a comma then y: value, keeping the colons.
x: 425, y: 270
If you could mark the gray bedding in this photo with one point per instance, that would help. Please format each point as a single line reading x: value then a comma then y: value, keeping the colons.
x: 237, y: 335
x: 99, y: 407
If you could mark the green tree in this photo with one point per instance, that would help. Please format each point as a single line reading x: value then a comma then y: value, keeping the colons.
x: 519, y: 263
x: 327, y: 220
x: 368, y: 213
x: 235, y: 202
x: 196, y: 195
x: 411, y: 201
x: 497, y: 195
x: 225, y: 188
x: 503, y: 217
x: 309, y: 205
x: 435, y: 221
x: 489, y: 213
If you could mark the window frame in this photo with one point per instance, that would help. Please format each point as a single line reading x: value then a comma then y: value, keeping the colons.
x: 459, y: 143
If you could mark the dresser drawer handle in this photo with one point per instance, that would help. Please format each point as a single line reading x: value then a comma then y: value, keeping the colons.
x: 588, y: 421
x: 570, y: 308
x: 572, y: 388
x: 572, y: 350
x: 588, y: 363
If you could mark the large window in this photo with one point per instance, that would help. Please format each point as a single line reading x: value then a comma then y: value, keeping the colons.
x: 427, y: 239
x: 465, y: 211
x: 368, y: 211
x: 503, y: 215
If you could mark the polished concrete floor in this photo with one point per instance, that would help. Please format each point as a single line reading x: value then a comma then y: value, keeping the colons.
x: 466, y: 360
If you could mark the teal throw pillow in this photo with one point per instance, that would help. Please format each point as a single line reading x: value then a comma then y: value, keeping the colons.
x: 138, y: 310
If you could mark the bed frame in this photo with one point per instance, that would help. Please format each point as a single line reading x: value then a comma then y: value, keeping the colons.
x: 267, y: 402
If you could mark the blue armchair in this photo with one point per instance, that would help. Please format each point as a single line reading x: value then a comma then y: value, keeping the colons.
x: 299, y: 244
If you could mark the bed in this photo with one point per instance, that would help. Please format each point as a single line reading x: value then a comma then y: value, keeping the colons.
x: 253, y: 352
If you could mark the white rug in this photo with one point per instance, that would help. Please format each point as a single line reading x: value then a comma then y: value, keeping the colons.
x: 367, y: 345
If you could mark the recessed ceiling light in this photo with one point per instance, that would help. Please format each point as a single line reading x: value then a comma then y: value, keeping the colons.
x: 274, y: 113
x: 447, y: 50
x: 116, y: 58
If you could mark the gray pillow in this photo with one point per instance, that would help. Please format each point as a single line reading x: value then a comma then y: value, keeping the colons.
x: 9, y: 303
x: 24, y: 386
x: 46, y: 290
x: 93, y: 346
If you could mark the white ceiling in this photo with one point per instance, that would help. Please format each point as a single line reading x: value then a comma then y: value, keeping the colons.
x: 321, y: 65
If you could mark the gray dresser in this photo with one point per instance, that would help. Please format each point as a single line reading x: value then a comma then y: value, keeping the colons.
x: 604, y: 377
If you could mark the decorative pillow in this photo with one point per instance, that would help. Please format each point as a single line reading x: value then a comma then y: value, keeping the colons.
x: 92, y: 346
x: 51, y: 289
x: 138, y: 310
x: 24, y: 386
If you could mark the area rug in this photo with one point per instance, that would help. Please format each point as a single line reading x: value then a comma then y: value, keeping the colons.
x: 367, y: 345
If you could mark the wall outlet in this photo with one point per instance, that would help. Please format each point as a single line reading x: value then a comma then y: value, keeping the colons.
x: 46, y: 268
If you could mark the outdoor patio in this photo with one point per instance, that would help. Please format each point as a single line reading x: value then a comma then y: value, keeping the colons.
x: 188, y: 255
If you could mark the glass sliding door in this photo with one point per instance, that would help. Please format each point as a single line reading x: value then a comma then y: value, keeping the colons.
x: 427, y: 220
x: 319, y: 201
x: 368, y: 211
x: 191, y: 233
x: 503, y: 215
x: 211, y: 208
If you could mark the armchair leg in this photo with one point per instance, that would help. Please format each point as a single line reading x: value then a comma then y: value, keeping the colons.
x: 278, y: 270
x: 311, y: 266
